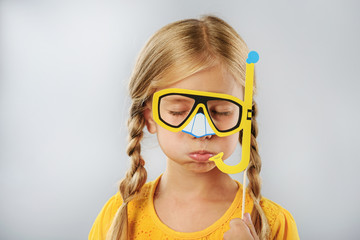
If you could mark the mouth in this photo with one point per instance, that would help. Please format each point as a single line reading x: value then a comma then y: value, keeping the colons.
x: 201, y: 156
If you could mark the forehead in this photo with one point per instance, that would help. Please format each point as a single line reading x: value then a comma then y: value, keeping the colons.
x: 213, y: 79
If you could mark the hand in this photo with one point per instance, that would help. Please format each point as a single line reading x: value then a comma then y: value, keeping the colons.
x: 241, y: 229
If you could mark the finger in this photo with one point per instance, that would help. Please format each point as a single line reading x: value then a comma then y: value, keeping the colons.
x: 247, y: 219
x: 239, y: 225
x: 235, y: 222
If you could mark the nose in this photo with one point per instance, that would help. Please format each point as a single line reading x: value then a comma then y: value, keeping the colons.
x: 206, y: 137
x: 199, y: 126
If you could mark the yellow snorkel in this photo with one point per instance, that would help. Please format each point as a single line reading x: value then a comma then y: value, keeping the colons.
x: 253, y: 57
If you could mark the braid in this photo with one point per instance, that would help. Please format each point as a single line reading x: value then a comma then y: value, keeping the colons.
x: 135, y: 177
x: 254, y: 187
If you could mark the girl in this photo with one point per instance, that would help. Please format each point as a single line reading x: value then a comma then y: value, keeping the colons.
x: 183, y: 62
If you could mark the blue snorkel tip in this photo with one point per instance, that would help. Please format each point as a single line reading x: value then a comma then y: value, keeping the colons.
x: 253, y: 57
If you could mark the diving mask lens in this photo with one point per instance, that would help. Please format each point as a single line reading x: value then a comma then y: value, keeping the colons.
x: 175, y: 109
x: 224, y: 114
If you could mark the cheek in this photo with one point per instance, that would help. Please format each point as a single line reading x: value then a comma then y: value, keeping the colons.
x: 230, y: 140
x: 229, y: 144
x: 169, y: 141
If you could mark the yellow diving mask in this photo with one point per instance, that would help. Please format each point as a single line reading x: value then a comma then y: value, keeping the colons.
x: 197, y: 113
x: 201, y: 113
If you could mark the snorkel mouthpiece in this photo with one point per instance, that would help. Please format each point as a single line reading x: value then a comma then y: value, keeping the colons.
x: 224, y: 167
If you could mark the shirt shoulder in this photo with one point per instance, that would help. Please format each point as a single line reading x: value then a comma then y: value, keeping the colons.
x: 281, y: 222
x: 106, y: 215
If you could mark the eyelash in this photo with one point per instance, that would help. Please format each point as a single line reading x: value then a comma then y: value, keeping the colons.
x: 221, y: 113
x: 177, y: 113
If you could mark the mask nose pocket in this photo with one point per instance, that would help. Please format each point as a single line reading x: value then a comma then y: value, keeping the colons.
x: 199, y: 125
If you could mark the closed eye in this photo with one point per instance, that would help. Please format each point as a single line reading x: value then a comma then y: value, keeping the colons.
x: 177, y: 113
x: 221, y: 113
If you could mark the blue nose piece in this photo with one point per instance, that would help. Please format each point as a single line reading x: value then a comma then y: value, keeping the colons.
x: 198, y: 126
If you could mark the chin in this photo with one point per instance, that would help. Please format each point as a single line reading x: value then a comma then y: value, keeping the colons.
x: 202, y: 167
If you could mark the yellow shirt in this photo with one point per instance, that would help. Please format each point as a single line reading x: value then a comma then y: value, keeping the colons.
x: 143, y: 223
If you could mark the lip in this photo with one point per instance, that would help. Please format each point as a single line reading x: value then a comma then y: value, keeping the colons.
x: 201, y: 156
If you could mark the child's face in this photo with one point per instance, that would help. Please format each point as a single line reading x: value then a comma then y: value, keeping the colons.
x: 180, y: 147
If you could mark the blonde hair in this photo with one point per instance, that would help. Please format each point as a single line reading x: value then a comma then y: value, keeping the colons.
x: 175, y: 52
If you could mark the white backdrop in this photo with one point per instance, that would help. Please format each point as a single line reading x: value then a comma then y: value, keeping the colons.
x: 64, y: 69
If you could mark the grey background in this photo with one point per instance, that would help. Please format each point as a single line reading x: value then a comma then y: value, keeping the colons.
x: 64, y: 67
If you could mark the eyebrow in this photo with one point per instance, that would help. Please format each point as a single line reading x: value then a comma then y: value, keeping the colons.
x: 178, y: 100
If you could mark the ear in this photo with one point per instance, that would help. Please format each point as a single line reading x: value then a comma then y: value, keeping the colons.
x: 149, y: 121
